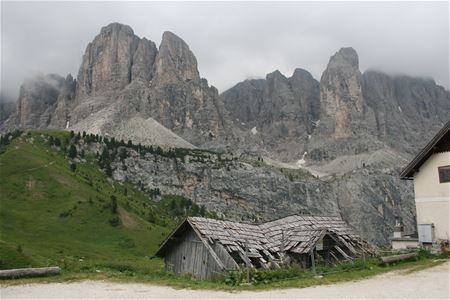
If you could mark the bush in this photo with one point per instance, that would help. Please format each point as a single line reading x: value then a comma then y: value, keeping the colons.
x: 264, y: 276
x: 114, y: 221
x: 127, y: 243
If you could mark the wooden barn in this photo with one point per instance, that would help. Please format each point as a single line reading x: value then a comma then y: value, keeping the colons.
x: 207, y: 248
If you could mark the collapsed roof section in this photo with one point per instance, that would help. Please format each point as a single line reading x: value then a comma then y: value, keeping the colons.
x: 269, y: 244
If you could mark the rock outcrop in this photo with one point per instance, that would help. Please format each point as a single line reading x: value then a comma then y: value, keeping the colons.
x: 276, y: 114
x: 38, y: 100
x: 408, y: 111
x: 175, y: 62
x: 349, y: 114
x: 107, y: 62
x: 341, y: 97
x: 124, y: 78
x: 7, y: 109
x: 243, y: 188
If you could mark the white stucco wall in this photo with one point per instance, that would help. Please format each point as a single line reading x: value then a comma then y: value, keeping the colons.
x: 432, y: 197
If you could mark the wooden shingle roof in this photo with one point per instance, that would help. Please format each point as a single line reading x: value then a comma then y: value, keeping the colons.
x: 294, y: 233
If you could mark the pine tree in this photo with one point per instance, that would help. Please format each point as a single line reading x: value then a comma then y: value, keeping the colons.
x: 72, y: 151
x: 50, y: 140
x: 122, y: 154
x: 113, y: 204
x: 108, y: 170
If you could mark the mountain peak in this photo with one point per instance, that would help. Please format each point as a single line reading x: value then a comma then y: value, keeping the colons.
x: 169, y: 35
x: 275, y: 75
x: 107, y: 61
x: 175, y: 61
x: 345, y: 57
x: 341, y: 94
x: 116, y: 27
x: 301, y: 73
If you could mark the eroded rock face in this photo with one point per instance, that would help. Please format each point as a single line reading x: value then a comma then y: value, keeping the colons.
x: 64, y: 103
x: 107, y: 62
x: 275, y: 114
x: 123, y: 77
x: 250, y: 190
x: 408, y: 111
x: 175, y: 62
x: 340, y: 94
x: 143, y: 60
x: 7, y: 109
x: 37, y: 100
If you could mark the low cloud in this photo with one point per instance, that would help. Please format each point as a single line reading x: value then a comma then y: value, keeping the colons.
x: 233, y: 40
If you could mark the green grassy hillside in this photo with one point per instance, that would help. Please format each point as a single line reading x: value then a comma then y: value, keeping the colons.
x: 51, y: 214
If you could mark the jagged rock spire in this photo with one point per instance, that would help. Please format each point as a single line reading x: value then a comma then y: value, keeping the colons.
x: 340, y: 93
x: 113, y: 58
x: 175, y: 61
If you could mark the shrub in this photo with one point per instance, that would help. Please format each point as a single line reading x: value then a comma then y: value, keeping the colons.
x: 114, y: 221
x: 127, y: 243
x: 263, y: 276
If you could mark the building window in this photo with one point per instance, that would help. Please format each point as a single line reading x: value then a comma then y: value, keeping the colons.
x: 444, y: 174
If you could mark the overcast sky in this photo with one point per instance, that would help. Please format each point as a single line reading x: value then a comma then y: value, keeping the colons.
x: 234, y: 41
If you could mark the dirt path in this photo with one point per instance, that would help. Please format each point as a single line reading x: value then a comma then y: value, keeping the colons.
x: 427, y: 284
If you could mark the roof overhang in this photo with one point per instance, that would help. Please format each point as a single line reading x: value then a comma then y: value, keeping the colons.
x: 170, y: 238
x: 439, y: 143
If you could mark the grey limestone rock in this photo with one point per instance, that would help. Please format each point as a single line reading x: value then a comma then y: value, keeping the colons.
x: 37, y: 100
x: 275, y: 114
x: 340, y: 94
x: 175, y: 62
x: 107, y: 62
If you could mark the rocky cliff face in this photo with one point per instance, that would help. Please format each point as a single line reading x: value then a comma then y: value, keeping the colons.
x: 341, y: 98
x: 408, y: 111
x: 246, y: 188
x: 347, y: 114
x: 277, y: 113
x: 175, y: 62
x: 123, y: 77
x: 107, y: 63
x: 7, y: 109
x: 124, y: 80
x: 39, y: 99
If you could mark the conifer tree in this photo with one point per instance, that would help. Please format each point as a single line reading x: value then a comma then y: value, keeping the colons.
x: 72, y: 151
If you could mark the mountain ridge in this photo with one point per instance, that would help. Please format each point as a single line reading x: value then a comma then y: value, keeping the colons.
x: 355, y: 129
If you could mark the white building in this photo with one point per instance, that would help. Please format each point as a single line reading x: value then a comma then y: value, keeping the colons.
x: 430, y: 170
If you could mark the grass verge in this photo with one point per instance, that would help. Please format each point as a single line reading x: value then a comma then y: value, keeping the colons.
x: 306, y: 279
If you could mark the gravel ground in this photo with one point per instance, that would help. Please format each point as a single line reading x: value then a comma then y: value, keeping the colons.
x: 431, y: 283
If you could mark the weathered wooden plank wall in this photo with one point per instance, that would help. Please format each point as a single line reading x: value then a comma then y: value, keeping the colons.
x: 190, y: 256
